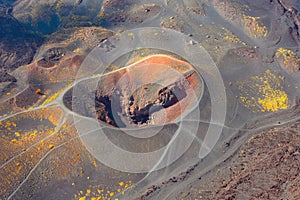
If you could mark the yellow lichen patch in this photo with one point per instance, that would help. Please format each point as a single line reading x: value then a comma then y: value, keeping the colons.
x: 55, y: 95
x: 288, y: 60
x: 274, y: 100
x: 287, y: 54
x: 254, y: 27
x: 88, y: 192
x: 16, y: 138
x: 264, y: 93
x: 8, y: 125
x: 30, y: 137
x: 111, y: 194
x: 21, y: 157
x: 230, y: 37
x: 13, y: 141
x: 53, y: 114
x: 107, y: 193
x: 17, y: 134
x: 50, y: 99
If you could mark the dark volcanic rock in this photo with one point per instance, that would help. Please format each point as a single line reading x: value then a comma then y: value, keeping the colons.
x: 5, y: 77
x: 51, y: 57
x: 265, y: 167
x: 17, y: 46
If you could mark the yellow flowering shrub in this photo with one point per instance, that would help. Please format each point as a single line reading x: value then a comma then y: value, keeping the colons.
x: 254, y: 27
x: 288, y: 59
x: 264, y: 93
